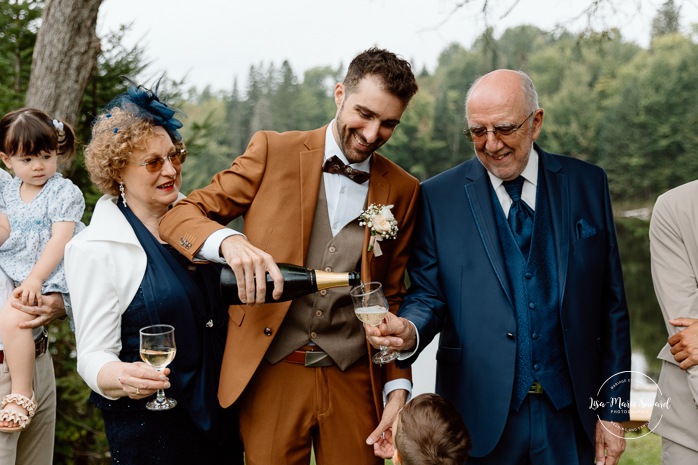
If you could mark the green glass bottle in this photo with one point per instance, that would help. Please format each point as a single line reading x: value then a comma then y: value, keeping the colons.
x: 298, y: 281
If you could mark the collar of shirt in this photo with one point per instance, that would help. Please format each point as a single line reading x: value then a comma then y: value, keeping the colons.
x: 528, y: 192
x: 345, y: 198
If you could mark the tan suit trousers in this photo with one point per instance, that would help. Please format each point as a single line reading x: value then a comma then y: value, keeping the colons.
x: 287, y: 408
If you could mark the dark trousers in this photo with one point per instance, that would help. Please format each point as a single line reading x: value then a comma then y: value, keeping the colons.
x: 538, y: 434
x: 170, y: 438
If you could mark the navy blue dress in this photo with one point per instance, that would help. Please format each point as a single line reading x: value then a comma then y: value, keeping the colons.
x: 197, y: 430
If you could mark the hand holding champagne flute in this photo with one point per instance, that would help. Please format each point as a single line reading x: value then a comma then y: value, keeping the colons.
x: 371, y: 306
x: 158, y: 349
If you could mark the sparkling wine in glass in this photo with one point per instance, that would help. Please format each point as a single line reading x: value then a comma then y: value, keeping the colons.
x: 371, y: 306
x: 158, y: 349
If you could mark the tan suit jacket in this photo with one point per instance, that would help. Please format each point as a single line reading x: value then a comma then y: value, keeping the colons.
x: 674, y: 251
x: 274, y: 186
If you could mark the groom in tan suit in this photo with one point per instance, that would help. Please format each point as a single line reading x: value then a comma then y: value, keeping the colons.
x: 674, y: 251
x: 297, y: 213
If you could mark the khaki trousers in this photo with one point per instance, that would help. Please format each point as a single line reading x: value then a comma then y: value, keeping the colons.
x: 676, y: 454
x: 288, y: 408
x: 34, y: 445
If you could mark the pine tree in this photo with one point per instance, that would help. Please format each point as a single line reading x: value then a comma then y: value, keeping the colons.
x: 666, y: 21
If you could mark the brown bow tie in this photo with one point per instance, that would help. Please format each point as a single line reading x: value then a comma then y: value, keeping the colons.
x: 335, y: 166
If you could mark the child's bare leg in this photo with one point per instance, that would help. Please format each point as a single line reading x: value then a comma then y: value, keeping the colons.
x: 19, y: 353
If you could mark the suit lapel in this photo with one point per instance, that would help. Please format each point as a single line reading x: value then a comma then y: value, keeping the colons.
x: 558, y: 195
x: 310, y: 159
x: 477, y: 189
x: 378, y: 187
x: 378, y: 193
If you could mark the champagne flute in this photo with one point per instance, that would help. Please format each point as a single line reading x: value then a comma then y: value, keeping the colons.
x: 158, y: 349
x: 371, y: 306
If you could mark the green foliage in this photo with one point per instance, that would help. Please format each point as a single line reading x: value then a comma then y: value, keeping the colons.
x: 647, y: 330
x: 106, y: 82
x: 315, y: 103
x: 642, y: 449
x: 646, y: 139
x: 19, y: 22
x: 571, y: 77
x: 207, y: 152
x: 666, y: 21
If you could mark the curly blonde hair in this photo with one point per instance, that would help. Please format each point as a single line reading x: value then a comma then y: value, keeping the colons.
x: 116, y: 133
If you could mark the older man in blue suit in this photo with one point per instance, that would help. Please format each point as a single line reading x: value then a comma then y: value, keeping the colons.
x: 516, y: 264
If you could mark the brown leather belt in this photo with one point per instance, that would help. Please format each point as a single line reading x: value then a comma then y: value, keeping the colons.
x: 309, y: 356
x: 40, y: 347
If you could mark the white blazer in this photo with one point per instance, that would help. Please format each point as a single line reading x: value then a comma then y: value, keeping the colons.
x: 104, y: 267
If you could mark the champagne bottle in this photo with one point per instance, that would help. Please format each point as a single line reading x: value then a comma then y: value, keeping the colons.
x: 298, y: 281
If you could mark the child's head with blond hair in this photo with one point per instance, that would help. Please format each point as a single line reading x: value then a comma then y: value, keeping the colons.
x: 430, y: 431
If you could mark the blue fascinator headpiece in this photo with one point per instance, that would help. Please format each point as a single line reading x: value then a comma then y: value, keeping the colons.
x: 144, y: 103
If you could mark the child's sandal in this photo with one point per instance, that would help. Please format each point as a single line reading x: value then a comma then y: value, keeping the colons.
x: 21, y: 419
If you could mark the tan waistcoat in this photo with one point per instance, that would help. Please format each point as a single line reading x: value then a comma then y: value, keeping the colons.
x: 326, y: 318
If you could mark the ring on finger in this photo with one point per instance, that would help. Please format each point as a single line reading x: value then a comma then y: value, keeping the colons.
x: 138, y: 392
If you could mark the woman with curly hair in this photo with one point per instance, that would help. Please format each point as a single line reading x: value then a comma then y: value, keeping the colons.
x: 122, y: 277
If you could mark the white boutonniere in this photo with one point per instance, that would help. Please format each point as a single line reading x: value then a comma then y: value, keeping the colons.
x: 381, y: 223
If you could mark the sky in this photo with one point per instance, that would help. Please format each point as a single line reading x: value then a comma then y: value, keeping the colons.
x: 213, y: 42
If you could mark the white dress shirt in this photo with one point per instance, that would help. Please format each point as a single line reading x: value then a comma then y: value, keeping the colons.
x: 528, y: 191
x: 345, y: 198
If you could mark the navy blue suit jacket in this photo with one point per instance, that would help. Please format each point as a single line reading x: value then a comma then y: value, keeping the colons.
x: 459, y: 288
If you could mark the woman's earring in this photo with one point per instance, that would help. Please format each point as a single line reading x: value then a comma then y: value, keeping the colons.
x: 123, y: 192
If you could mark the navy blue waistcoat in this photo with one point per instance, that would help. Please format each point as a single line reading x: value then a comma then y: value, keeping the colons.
x: 533, y: 281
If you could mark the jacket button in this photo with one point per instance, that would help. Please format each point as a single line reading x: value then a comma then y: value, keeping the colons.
x: 333, y: 249
x: 313, y: 335
x: 510, y: 335
x: 323, y: 292
x: 267, y: 331
x: 318, y: 313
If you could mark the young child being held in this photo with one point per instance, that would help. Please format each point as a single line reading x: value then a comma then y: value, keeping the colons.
x: 429, y: 431
x: 40, y: 211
